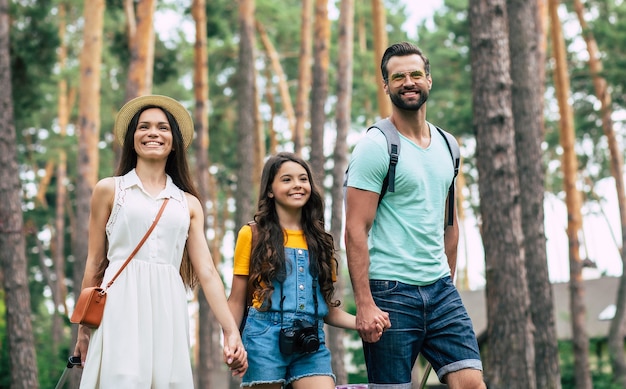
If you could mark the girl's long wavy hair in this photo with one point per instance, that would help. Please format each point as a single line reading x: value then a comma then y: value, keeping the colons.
x: 176, y: 167
x: 267, y: 259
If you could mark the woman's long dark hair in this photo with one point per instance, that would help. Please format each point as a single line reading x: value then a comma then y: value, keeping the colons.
x: 176, y: 167
x: 267, y: 260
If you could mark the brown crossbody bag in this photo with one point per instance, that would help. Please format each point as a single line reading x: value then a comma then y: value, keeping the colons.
x: 90, y: 304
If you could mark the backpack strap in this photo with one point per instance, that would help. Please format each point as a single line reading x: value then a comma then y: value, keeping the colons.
x: 393, y: 148
x: 455, y: 153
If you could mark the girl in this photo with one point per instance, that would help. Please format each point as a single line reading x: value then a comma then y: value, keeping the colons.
x: 143, y: 340
x: 289, y: 273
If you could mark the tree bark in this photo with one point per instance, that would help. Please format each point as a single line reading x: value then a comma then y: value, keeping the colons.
x: 319, y: 93
x: 283, y: 87
x: 304, y: 75
x: 208, y: 346
x: 342, y: 115
x: 13, y: 266
x: 527, y: 101
x: 510, y: 360
x: 141, y: 46
x: 246, y: 126
x: 380, y: 45
x: 573, y: 202
x: 88, y: 133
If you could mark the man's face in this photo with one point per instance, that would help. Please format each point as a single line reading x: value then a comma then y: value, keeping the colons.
x: 408, y: 84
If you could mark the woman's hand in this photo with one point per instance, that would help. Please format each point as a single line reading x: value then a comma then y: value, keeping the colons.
x: 82, y: 344
x: 235, y: 355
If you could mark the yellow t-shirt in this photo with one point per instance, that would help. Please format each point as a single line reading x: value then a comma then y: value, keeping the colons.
x: 243, y: 248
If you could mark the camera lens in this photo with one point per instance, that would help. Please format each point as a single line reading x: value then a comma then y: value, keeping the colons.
x: 310, y: 343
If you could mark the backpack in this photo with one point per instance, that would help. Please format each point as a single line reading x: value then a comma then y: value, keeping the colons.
x: 393, y: 148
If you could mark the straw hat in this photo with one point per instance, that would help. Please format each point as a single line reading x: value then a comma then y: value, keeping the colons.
x: 180, y: 113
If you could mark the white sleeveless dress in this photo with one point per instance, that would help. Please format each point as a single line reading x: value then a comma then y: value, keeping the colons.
x: 143, y: 340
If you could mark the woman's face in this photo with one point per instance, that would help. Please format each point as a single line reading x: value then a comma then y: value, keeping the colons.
x: 291, y: 188
x: 153, y: 136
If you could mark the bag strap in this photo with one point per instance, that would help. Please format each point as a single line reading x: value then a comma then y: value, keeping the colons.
x: 455, y: 153
x: 393, y: 148
x: 141, y: 242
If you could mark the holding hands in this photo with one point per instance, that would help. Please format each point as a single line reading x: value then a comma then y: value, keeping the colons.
x: 235, y: 355
x: 371, y: 322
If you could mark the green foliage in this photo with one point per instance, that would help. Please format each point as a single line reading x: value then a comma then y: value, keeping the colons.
x: 602, y: 378
x: 33, y: 44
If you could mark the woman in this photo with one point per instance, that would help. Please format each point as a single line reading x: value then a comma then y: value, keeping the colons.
x: 143, y: 340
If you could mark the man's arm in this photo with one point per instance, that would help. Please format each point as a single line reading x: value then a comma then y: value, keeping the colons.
x: 361, y: 208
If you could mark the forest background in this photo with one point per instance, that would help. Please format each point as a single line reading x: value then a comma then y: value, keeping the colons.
x: 261, y: 76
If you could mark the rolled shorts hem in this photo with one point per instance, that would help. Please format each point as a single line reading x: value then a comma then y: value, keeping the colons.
x: 292, y: 379
x: 474, y: 364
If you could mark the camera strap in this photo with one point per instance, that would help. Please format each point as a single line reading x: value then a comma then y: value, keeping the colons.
x: 282, y: 300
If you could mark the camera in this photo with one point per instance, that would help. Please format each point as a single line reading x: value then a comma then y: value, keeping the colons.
x: 301, y: 338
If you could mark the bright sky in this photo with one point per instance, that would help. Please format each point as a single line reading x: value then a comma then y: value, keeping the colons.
x: 419, y: 10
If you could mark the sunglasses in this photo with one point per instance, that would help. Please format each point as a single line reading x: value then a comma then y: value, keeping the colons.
x: 415, y: 75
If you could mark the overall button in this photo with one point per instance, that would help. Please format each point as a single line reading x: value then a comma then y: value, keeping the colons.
x: 301, y: 269
x: 301, y: 287
x: 300, y: 251
x: 301, y: 306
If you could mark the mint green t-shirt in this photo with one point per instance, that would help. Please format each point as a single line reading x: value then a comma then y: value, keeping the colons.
x: 406, y: 241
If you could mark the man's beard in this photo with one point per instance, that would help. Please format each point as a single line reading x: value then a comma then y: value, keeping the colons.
x: 397, y: 100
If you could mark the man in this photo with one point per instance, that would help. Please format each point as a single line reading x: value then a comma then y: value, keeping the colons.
x: 406, y: 273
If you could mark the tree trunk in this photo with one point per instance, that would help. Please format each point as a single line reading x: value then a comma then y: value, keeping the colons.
x: 342, y: 115
x: 246, y: 127
x: 510, y: 360
x: 527, y: 101
x: 141, y: 46
x: 13, y: 266
x: 88, y: 133
x: 319, y: 93
x: 573, y: 201
x: 380, y: 45
x: 208, y: 346
x: 616, y: 331
x: 304, y: 75
x: 283, y: 87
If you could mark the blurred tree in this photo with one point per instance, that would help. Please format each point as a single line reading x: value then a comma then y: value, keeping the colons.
x: 319, y: 89
x: 380, y: 45
x: 304, y: 75
x: 21, y: 344
x: 88, y: 131
x: 573, y: 201
x: 527, y: 60
x: 340, y: 163
x: 510, y: 358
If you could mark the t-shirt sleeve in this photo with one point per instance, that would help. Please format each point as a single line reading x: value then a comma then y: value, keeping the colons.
x: 369, y: 162
x: 243, y: 248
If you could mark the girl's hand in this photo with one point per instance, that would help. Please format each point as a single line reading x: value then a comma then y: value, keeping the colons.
x: 235, y: 355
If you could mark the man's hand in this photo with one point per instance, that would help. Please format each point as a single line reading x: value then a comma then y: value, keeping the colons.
x: 371, y: 322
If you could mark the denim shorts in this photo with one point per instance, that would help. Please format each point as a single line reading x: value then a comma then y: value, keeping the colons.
x: 427, y: 319
x: 266, y: 364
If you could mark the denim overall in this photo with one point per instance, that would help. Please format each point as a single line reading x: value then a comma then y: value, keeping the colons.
x: 260, y: 336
